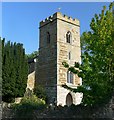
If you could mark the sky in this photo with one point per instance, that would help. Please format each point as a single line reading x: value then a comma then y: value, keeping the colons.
x: 20, y: 20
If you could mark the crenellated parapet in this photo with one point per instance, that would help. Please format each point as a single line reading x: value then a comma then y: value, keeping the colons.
x: 59, y: 16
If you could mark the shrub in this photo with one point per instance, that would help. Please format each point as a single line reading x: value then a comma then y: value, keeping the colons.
x: 40, y: 92
x: 28, y: 105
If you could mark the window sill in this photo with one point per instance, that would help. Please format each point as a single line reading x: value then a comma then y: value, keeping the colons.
x: 71, y: 85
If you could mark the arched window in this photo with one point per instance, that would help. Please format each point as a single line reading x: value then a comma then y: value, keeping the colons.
x: 68, y: 37
x: 48, y: 37
x: 69, y: 77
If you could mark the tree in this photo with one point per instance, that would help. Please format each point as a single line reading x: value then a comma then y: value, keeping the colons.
x: 33, y: 54
x: 40, y: 92
x: 97, y: 67
x: 14, y: 71
x: 0, y: 68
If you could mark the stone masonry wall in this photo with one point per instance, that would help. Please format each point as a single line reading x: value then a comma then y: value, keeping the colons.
x: 31, y: 80
x: 63, y: 49
x: 46, y: 74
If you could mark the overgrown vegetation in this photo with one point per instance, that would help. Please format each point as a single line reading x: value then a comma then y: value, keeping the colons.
x: 14, y: 70
x: 0, y: 69
x: 97, y: 67
x: 40, y: 92
x: 28, y: 105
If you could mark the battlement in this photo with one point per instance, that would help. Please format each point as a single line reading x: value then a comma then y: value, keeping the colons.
x: 59, y: 16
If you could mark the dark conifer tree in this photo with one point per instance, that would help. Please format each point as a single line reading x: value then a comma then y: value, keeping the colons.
x: 0, y: 67
x: 15, y: 71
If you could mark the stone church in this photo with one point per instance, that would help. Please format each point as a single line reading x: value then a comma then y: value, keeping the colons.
x: 59, y: 40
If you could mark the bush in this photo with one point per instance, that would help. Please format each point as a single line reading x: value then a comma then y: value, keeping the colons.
x: 40, y: 92
x: 28, y: 105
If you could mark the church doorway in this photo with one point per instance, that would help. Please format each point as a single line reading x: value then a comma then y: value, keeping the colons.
x: 69, y: 100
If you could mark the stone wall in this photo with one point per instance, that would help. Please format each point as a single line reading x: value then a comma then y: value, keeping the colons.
x: 64, y: 48
x: 65, y: 24
x: 31, y: 81
x: 46, y: 73
x: 62, y: 93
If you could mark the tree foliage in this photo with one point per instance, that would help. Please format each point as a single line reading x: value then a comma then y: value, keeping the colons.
x: 0, y: 69
x: 33, y: 54
x: 97, y: 67
x: 14, y: 70
x: 40, y: 92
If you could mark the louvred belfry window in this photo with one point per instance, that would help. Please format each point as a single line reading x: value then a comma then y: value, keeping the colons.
x: 68, y: 37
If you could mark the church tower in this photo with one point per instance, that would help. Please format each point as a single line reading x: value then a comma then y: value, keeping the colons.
x: 59, y: 41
